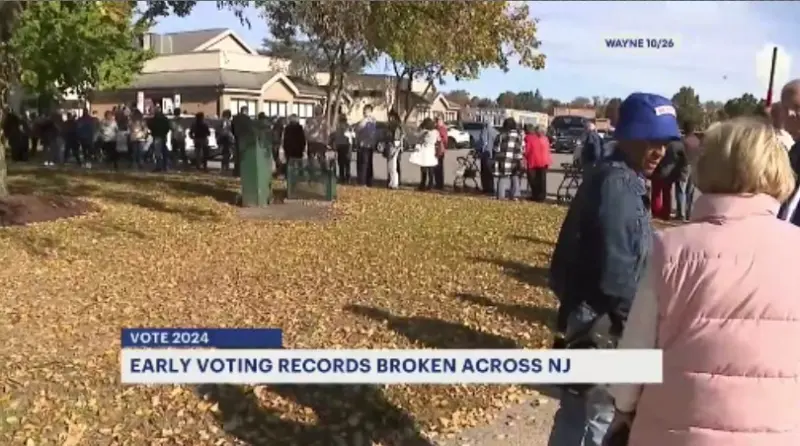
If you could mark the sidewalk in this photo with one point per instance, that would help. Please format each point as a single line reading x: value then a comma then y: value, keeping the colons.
x: 526, y: 424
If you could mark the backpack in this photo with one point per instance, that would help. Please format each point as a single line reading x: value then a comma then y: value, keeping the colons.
x: 225, y: 130
x: 177, y: 129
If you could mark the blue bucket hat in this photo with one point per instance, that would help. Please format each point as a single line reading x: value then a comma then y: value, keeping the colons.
x: 647, y: 117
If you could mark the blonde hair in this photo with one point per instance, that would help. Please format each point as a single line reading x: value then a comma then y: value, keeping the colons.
x: 744, y: 156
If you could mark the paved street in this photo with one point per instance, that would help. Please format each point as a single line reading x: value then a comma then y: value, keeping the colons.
x: 411, y: 173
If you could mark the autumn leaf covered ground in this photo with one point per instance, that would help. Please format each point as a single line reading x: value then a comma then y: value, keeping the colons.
x: 392, y: 270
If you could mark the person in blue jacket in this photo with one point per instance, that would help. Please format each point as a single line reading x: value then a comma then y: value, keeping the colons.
x: 593, y: 148
x: 601, y: 252
x: 484, y: 147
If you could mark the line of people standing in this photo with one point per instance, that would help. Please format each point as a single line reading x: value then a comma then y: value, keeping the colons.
x: 511, y: 154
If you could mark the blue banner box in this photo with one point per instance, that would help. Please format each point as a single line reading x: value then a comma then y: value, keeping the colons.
x: 219, y: 338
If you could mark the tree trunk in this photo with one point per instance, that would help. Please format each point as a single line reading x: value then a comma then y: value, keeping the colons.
x: 337, y: 94
x: 9, y: 73
x: 406, y: 94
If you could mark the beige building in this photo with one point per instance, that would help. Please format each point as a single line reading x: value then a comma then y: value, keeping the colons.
x: 496, y: 116
x: 214, y: 70
x: 379, y: 91
x: 210, y: 71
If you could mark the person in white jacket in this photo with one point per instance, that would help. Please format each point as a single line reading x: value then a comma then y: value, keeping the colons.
x: 425, y: 155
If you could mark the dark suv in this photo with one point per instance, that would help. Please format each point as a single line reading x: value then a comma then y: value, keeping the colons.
x: 565, y: 132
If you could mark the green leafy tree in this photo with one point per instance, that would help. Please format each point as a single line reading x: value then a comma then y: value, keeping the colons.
x: 49, y: 48
x: 611, y: 110
x: 507, y: 99
x: 305, y: 58
x: 581, y: 102
x: 531, y: 101
x: 478, y: 35
x: 101, y: 52
x: 478, y: 102
x: 745, y: 105
x: 460, y: 97
x: 335, y: 28
x: 712, y: 112
x: 689, y: 108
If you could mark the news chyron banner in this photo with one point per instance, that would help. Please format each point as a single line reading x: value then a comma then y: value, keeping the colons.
x: 257, y: 356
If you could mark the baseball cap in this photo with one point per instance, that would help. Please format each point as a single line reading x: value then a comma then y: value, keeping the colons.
x: 647, y: 117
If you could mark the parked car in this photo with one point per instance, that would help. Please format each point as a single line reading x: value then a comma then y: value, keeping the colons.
x: 474, y: 130
x: 213, y: 150
x: 565, y: 132
x: 457, y: 139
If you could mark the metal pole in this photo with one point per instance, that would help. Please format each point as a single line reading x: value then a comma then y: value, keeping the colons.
x: 772, y: 75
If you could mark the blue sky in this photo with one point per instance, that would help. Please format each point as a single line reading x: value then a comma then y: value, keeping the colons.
x: 716, y: 44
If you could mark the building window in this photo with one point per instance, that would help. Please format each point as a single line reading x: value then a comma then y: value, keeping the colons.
x: 304, y: 110
x: 296, y: 108
x: 276, y: 109
x: 237, y: 104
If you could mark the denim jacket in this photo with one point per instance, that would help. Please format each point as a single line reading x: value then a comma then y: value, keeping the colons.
x: 485, y: 143
x: 603, y: 244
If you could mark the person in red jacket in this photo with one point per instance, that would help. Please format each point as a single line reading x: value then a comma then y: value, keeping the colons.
x: 438, y: 171
x: 538, y: 160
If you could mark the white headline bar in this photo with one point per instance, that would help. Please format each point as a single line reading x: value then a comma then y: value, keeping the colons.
x: 173, y: 366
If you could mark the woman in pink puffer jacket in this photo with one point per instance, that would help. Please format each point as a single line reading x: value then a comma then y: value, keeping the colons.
x: 720, y: 303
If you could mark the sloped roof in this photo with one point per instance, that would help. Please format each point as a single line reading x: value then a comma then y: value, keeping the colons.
x: 306, y: 88
x: 185, y: 41
x: 203, y: 78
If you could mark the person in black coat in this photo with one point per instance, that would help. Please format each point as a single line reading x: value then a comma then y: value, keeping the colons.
x: 294, y: 140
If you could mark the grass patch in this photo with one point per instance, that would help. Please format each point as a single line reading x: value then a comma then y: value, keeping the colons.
x: 395, y: 269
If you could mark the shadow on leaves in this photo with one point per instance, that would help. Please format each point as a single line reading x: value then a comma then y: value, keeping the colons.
x: 533, y: 240
x: 535, y: 276
x: 523, y: 313
x: 347, y: 415
x: 67, y: 183
x: 434, y: 333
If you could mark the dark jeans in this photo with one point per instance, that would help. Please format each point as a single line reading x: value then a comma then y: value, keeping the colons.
x: 487, y: 177
x: 344, y: 157
x: 161, y: 153
x: 179, y: 152
x: 72, y: 147
x: 427, y: 178
x: 227, y: 148
x: 19, y: 146
x: 438, y: 173
x: 136, y: 149
x: 34, y: 147
x: 88, y: 149
x: 537, y: 183
x: 364, y: 167
x: 201, y: 153
x: 684, y: 198
x: 110, y: 149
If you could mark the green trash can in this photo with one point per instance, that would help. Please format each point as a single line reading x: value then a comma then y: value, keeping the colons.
x: 255, y: 155
x: 312, y: 178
